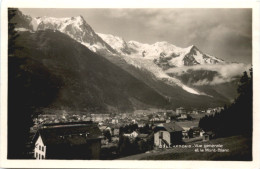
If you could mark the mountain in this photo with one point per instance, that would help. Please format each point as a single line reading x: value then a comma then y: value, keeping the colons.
x: 51, y: 63
x: 79, y: 30
x: 22, y: 22
x: 161, y: 56
x: 163, y: 53
x: 83, y: 79
x: 147, y: 63
x: 119, y: 44
x: 76, y: 27
x: 165, y: 61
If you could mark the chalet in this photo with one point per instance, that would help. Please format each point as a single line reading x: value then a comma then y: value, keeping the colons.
x: 208, y: 136
x: 167, y: 134
x: 180, y: 110
x: 195, y: 132
x: 76, y: 140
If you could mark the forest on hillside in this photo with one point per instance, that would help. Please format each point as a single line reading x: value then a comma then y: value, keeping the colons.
x: 236, y: 118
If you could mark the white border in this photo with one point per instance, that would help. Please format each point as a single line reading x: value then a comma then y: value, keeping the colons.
x: 127, y: 4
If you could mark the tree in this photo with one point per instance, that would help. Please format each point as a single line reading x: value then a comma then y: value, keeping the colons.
x: 237, y: 117
x: 27, y: 91
x: 16, y: 148
x: 124, y: 146
x: 107, y: 134
x: 12, y: 34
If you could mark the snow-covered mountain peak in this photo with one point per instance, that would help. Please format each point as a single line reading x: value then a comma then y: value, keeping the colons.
x: 78, y: 19
x: 155, y: 58
x: 58, y: 23
x: 77, y: 28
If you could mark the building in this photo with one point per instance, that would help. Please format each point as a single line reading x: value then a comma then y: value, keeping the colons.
x: 183, y: 117
x: 208, y: 136
x: 76, y: 140
x: 185, y: 131
x: 209, y: 111
x: 180, y: 110
x: 116, y: 131
x: 195, y: 111
x: 167, y: 134
x: 195, y: 132
x: 114, y: 121
x: 134, y: 134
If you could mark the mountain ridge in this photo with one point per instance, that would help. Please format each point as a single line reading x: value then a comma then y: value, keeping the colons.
x: 87, y: 81
x: 148, y: 65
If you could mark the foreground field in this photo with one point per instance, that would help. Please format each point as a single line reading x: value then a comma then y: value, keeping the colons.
x: 235, y: 148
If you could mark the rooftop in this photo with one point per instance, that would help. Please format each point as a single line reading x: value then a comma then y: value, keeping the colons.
x: 170, y: 127
x: 68, y: 133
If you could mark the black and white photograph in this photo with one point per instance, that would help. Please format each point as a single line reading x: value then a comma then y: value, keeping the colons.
x: 124, y: 84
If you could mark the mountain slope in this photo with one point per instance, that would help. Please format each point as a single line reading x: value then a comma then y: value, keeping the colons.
x: 87, y: 81
x: 160, y: 57
x: 78, y: 29
x: 147, y: 63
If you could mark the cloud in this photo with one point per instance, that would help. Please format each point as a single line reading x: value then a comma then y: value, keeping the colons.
x: 216, y: 80
x: 226, y: 72
x: 225, y: 33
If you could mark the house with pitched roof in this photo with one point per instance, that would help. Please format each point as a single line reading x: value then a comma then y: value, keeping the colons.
x: 167, y: 134
x: 75, y: 140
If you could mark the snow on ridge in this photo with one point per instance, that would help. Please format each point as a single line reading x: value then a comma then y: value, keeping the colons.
x: 117, y: 42
x: 76, y: 27
x: 145, y: 54
x: 142, y: 55
x: 58, y: 23
x: 149, y: 65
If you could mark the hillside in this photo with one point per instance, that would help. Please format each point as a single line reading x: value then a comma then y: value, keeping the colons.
x: 79, y: 78
x: 240, y: 149
x: 176, y: 95
x: 148, y: 70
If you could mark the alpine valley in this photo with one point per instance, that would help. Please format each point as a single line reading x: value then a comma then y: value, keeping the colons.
x: 95, y: 72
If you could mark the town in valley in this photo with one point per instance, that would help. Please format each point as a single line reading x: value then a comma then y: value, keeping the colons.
x: 130, y: 84
x: 147, y: 130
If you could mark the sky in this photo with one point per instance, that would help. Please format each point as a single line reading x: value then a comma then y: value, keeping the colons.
x: 224, y: 33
